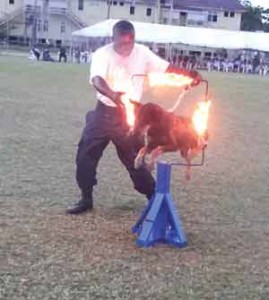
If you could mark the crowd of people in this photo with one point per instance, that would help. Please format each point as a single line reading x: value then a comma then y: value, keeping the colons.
x: 254, y: 64
x: 240, y: 64
x: 78, y: 56
x: 45, y: 55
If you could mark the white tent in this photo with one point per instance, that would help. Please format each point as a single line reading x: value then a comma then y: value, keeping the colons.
x: 202, y: 37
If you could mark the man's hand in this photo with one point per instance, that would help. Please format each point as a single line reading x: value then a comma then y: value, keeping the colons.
x: 102, y: 87
x: 117, y: 98
x: 197, y: 78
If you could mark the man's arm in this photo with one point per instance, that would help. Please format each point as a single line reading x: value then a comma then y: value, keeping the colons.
x: 157, y: 64
x: 102, y: 87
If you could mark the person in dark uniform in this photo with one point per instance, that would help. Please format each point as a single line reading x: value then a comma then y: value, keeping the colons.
x: 62, y: 54
x: 111, y: 73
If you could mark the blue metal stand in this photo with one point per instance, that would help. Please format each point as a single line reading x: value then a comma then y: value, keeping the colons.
x: 159, y: 222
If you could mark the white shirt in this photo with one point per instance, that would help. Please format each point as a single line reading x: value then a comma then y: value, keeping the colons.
x: 117, y: 71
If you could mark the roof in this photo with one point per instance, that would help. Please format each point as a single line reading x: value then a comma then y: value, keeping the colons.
x: 233, y: 5
x: 200, y: 37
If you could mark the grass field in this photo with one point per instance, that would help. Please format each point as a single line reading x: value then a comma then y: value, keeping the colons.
x: 45, y: 254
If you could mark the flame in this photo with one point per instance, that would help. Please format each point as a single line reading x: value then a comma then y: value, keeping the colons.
x: 168, y: 79
x: 160, y: 79
x: 200, y: 117
x: 129, y: 109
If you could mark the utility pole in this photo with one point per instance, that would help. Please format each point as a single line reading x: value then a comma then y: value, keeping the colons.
x: 171, y: 11
x: 7, y: 15
x: 108, y: 8
x: 158, y: 11
x: 34, y: 25
x: 7, y: 31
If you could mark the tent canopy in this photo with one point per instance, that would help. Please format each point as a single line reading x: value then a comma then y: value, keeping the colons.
x: 202, y: 37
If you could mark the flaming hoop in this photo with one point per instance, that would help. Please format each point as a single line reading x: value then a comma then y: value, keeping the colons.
x: 129, y: 110
x: 155, y: 79
x: 200, y: 117
x: 168, y: 79
x: 201, y: 114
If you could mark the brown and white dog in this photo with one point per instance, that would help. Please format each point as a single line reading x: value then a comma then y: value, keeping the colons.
x: 165, y: 132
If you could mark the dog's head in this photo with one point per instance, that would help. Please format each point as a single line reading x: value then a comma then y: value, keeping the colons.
x: 190, y: 143
x: 199, y: 143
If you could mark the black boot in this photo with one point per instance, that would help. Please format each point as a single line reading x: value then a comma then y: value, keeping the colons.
x: 83, y: 205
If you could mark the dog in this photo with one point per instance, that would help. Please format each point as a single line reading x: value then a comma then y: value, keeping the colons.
x: 165, y: 132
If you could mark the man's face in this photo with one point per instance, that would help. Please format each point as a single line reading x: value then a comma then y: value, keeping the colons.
x: 123, y: 43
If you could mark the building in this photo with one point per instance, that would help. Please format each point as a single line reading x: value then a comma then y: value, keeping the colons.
x: 221, y: 14
x: 38, y: 21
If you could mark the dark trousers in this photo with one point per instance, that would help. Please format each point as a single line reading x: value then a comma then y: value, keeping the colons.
x: 103, y: 125
x: 62, y: 55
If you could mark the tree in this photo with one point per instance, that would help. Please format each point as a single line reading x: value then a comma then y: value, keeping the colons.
x: 254, y: 18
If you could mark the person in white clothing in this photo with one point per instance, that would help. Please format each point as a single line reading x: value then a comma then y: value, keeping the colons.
x: 112, y: 68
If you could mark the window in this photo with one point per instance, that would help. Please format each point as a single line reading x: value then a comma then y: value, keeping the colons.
x: 58, y: 43
x: 121, y: 3
x: 46, y: 25
x: 165, y: 20
x: 194, y: 23
x: 62, y: 27
x: 148, y: 12
x: 29, y: 20
x: 232, y: 14
x: 226, y: 14
x: 163, y: 2
x: 132, y: 10
x: 212, y: 18
x: 39, y: 25
x: 11, y: 1
x: 13, y: 38
x: 80, y: 4
x: 115, y: 2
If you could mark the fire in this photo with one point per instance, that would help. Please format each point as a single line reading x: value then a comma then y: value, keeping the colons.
x: 200, y: 117
x: 168, y: 79
x: 129, y: 109
x: 155, y: 79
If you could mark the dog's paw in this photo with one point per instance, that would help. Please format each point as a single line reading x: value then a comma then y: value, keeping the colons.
x: 138, y: 162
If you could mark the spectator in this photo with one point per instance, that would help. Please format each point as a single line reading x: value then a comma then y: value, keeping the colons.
x: 36, y: 52
x: 62, y: 54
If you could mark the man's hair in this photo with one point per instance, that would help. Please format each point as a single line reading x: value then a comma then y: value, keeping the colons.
x: 123, y: 27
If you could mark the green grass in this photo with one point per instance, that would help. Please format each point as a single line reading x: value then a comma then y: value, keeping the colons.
x: 45, y: 254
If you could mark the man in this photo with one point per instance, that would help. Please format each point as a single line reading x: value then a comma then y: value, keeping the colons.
x: 111, y: 74
x: 62, y: 54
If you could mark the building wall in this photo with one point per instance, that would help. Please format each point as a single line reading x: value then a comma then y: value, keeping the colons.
x: 94, y: 11
x: 229, y: 23
x: 208, y: 19
x: 7, y: 8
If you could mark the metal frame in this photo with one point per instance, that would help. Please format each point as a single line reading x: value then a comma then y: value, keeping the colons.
x: 160, y: 222
x: 201, y: 163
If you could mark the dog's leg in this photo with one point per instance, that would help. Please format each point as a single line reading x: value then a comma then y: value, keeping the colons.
x: 188, y: 170
x: 140, y: 157
x: 153, y: 157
